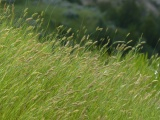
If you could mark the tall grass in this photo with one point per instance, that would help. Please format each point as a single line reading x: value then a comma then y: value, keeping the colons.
x: 53, y: 81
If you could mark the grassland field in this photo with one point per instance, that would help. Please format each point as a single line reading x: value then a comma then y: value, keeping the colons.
x: 50, y: 80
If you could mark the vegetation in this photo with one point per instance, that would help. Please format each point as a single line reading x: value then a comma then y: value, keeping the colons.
x: 57, y: 79
x: 75, y: 1
x: 135, y: 20
x: 127, y: 18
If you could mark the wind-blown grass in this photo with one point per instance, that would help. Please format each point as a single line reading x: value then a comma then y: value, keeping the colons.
x: 39, y: 82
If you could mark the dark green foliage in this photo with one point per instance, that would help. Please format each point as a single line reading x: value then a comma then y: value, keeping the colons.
x: 129, y: 14
x: 19, y: 1
x: 150, y: 31
x: 104, y: 6
x: 127, y: 17
x: 111, y: 13
x: 75, y: 1
x: 134, y: 19
x: 23, y: 1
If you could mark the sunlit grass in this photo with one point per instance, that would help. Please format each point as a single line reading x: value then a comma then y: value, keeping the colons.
x: 51, y: 80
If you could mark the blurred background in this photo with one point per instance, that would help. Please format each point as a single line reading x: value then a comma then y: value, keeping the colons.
x: 121, y: 20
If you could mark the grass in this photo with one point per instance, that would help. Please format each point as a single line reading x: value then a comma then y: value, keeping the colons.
x: 53, y: 81
x: 55, y: 15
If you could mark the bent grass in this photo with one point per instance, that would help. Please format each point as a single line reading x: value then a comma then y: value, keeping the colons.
x: 72, y: 82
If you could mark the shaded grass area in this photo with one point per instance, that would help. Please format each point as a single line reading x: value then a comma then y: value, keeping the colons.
x: 73, y: 82
x: 54, y: 15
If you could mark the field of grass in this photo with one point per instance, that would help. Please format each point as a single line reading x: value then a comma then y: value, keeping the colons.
x: 48, y: 81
